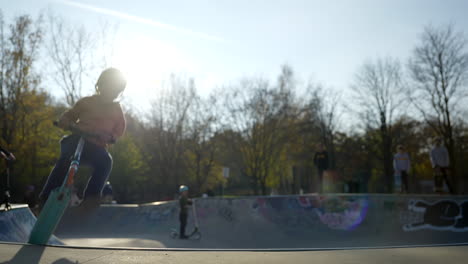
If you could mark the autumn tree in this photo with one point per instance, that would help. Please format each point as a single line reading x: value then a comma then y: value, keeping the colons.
x: 167, y: 131
x: 201, y: 150
x: 262, y: 113
x: 26, y: 110
x: 19, y: 48
x: 130, y: 173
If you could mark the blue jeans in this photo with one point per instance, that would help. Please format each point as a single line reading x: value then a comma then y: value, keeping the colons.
x: 94, y: 156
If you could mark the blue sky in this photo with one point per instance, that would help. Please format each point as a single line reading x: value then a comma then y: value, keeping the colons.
x: 218, y: 42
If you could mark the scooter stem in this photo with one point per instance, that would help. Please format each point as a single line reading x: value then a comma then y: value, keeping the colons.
x: 195, y: 214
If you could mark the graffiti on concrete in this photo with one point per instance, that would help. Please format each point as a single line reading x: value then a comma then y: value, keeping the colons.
x: 159, y: 213
x: 439, y: 215
x: 162, y: 215
x: 343, y: 213
x: 226, y: 214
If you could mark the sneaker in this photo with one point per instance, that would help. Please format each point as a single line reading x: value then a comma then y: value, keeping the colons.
x: 88, y: 205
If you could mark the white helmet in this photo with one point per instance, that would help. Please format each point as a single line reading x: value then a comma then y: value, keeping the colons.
x: 183, y: 188
x: 111, y: 78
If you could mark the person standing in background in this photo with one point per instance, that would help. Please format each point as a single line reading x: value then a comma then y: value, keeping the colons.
x: 184, y: 203
x: 401, y: 165
x: 107, y: 193
x: 440, y: 163
x: 321, y: 162
x: 30, y: 198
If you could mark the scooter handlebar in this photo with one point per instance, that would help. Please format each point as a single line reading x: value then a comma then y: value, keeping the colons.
x: 7, y: 154
x: 76, y: 130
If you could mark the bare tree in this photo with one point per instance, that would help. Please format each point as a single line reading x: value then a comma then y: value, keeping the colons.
x: 439, y: 68
x: 201, y: 149
x: 168, y: 123
x: 75, y: 53
x: 324, y: 103
x: 378, y: 93
x: 263, y: 115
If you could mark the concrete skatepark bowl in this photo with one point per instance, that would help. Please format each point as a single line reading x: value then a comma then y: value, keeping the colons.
x: 304, y: 222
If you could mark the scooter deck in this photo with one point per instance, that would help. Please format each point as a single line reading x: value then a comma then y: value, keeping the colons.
x: 50, y: 215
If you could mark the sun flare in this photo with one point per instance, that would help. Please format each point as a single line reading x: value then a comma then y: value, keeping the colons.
x: 145, y: 63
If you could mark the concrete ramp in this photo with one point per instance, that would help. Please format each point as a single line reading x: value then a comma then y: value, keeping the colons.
x: 307, y: 221
x: 276, y: 222
x: 16, y: 225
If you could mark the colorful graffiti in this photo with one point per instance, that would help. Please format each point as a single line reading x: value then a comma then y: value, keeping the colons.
x: 160, y: 213
x: 343, y: 213
x: 439, y: 215
x: 336, y: 212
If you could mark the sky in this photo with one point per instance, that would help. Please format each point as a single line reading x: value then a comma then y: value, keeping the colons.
x: 217, y: 42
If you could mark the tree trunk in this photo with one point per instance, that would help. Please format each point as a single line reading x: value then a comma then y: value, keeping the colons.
x: 453, y: 166
x: 387, y: 158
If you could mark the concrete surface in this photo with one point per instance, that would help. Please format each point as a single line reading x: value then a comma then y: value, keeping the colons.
x: 306, y: 221
x: 16, y: 224
x: 333, y: 228
x: 38, y: 254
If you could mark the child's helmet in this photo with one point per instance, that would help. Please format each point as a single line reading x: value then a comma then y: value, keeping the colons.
x: 183, y: 188
x: 111, y: 78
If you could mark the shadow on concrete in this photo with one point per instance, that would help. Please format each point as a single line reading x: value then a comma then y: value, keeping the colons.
x: 28, y: 254
x: 64, y: 261
x: 32, y: 254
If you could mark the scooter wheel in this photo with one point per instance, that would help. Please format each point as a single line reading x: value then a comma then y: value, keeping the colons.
x: 196, y: 236
x: 174, y: 234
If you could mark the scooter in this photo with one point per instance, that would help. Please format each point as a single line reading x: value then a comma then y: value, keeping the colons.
x: 195, y: 234
x: 59, y: 198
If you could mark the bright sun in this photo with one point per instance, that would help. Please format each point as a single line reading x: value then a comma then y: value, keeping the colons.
x: 146, y: 62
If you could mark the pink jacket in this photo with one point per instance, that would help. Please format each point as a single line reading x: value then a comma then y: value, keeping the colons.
x: 94, y: 116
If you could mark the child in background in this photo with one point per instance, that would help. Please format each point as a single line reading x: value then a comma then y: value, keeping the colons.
x: 321, y: 162
x: 107, y: 193
x: 184, y: 202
